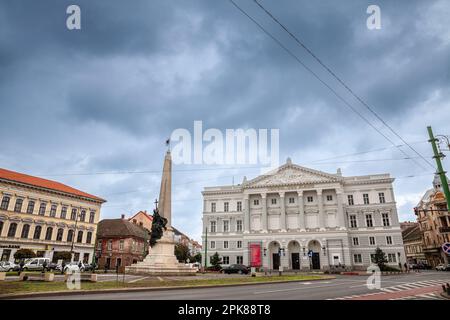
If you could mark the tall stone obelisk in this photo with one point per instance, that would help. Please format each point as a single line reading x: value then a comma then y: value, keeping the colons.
x: 161, y: 259
x: 165, y: 192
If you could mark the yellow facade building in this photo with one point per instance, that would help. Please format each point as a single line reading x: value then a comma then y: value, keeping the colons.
x: 46, y: 217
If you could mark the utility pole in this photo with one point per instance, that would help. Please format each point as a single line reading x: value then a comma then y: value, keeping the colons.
x: 206, y: 247
x: 437, y: 156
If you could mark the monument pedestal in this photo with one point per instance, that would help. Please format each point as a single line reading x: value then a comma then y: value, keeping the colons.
x: 161, y: 260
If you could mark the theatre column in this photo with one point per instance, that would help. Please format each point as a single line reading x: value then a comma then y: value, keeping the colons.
x: 264, y: 222
x: 282, y: 212
x: 246, y: 213
x: 321, y: 211
x: 340, y: 209
x: 301, y: 212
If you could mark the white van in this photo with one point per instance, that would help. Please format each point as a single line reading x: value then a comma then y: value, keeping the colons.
x: 36, y: 264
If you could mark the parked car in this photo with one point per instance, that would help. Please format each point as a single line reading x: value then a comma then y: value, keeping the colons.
x: 442, y: 267
x: 36, y: 264
x: 71, y: 266
x: 236, y: 268
x: 6, y: 266
x: 87, y: 267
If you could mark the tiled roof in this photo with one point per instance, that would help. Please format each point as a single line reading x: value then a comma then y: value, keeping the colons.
x: 412, y: 233
x: 44, y: 183
x: 144, y: 213
x: 120, y: 228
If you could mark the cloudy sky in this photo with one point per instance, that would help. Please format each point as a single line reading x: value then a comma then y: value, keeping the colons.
x: 87, y: 107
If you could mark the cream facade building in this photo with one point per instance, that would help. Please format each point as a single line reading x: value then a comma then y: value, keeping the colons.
x: 46, y: 217
x: 299, y: 218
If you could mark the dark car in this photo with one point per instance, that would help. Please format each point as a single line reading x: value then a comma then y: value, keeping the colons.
x: 236, y: 268
x: 52, y: 266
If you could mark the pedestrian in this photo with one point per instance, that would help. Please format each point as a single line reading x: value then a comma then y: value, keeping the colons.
x: 406, y: 267
x: 44, y: 266
x: 63, y: 265
x: 21, y: 264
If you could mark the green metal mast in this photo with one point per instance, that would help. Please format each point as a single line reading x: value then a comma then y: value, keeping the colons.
x: 441, y: 172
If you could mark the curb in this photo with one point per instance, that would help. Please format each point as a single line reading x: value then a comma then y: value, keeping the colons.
x: 119, y: 290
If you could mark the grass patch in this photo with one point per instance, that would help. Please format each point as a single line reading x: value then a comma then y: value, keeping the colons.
x: 11, y: 287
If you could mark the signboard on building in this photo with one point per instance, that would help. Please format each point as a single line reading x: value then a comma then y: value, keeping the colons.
x: 255, y: 254
x: 446, y: 247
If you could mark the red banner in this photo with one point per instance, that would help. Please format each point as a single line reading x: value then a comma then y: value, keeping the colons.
x: 255, y: 255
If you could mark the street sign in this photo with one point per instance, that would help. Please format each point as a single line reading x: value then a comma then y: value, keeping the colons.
x: 446, y: 247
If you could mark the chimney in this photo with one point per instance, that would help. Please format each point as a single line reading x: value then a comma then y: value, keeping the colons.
x: 123, y: 216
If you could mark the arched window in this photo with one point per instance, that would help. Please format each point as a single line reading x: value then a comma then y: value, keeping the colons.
x: 49, y: 233
x: 92, y: 217
x: 25, y: 231
x: 80, y: 237
x: 70, y: 236
x: 59, y: 235
x: 12, y: 230
x: 37, y: 232
x: 89, y: 237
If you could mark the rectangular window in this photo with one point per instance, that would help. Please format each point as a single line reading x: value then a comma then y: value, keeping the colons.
x: 366, y: 198
x: 226, y: 226
x: 357, y: 258
x: 381, y: 197
x: 99, y: 245
x: 356, y: 241
x: 239, y: 259
x: 388, y: 240
x: 386, y: 221
x: 83, y: 215
x: 329, y: 197
x: 226, y: 206
x: 92, y: 217
x: 121, y: 245
x: 30, y: 207
x: 256, y: 202
x: 226, y: 260
x: 5, y: 203
x: 392, y: 258
x: 225, y: 244
x: 42, y: 209
x: 274, y: 201
x: 238, y: 225
x: 372, y: 257
x: 291, y: 200
x: 53, y: 210
x: 369, y: 221
x: 109, y: 245
x: 372, y: 241
x: 353, y: 223
x: 212, y: 245
x: 73, y: 215
x: 239, y: 206
x: 63, y: 212
x: 351, y: 202
x: 213, y: 207
x: 213, y: 226
x: 239, y: 244
x: 309, y: 199
x: 18, y: 205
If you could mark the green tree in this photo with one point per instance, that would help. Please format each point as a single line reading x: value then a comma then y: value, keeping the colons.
x: 380, y: 259
x: 23, y: 254
x: 216, y: 261
x: 62, y: 255
x: 182, y: 252
x: 197, y: 258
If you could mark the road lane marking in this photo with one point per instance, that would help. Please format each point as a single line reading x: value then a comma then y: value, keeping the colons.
x: 136, y: 280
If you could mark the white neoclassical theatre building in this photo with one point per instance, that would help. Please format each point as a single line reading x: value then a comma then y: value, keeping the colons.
x: 301, y: 219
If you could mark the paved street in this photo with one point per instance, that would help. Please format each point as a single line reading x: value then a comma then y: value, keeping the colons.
x: 422, y: 285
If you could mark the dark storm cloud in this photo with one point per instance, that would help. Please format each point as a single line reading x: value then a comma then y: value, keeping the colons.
x: 106, y: 97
